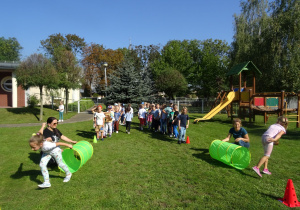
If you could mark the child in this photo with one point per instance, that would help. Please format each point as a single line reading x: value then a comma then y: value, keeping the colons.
x: 271, y: 136
x: 142, y: 116
x: 183, y: 124
x: 109, y: 115
x: 49, y: 149
x: 61, y: 110
x: 117, y: 117
x: 175, y: 121
x: 150, y: 116
x: 239, y: 134
x: 99, y: 120
x: 163, y: 120
x: 128, y: 118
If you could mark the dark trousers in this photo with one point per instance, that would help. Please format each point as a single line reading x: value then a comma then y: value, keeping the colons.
x: 128, y: 123
x: 156, y: 124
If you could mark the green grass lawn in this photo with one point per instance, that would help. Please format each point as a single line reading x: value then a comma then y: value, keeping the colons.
x: 29, y: 115
x: 146, y: 170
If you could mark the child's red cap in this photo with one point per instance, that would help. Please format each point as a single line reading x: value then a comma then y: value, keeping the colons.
x: 99, y: 106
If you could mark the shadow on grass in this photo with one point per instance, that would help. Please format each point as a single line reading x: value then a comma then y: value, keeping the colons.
x: 33, y: 110
x: 33, y: 174
x: 86, y: 134
x: 204, y: 155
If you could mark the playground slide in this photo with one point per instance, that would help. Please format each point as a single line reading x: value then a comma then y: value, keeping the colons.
x: 218, y: 108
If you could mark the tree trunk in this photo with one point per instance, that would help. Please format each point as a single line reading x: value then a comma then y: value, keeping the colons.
x: 67, y: 99
x: 41, y: 103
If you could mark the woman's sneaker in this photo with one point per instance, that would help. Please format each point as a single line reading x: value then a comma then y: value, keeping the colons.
x: 256, y: 170
x: 266, y: 171
x: 44, y: 185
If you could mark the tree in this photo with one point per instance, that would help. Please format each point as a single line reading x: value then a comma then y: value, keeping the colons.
x: 36, y: 71
x: 70, y: 42
x: 9, y: 49
x: 172, y: 82
x: 213, y: 65
x: 69, y: 71
x: 268, y: 34
x: 94, y: 56
x: 127, y: 84
x: 63, y: 50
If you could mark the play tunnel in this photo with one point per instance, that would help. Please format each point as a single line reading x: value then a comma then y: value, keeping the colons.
x: 75, y: 158
x: 231, y: 154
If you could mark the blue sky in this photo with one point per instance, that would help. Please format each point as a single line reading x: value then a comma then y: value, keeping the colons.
x: 114, y: 22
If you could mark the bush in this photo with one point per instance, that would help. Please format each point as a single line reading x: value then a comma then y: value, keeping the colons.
x: 32, y: 101
x: 84, y: 105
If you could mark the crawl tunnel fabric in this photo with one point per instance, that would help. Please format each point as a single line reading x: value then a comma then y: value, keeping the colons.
x: 231, y: 154
x: 75, y: 158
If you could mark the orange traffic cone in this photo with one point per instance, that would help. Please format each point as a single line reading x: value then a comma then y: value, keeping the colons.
x: 290, y: 197
x: 188, y: 140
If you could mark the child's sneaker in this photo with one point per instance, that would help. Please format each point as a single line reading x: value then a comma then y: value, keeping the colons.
x: 117, y: 131
x: 266, y: 171
x: 67, y: 178
x: 128, y: 132
x: 44, y: 185
x: 256, y: 170
x: 102, y: 139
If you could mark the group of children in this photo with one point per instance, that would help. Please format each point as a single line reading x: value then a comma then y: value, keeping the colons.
x: 105, y: 123
x: 168, y: 119
x: 165, y: 119
x: 269, y: 138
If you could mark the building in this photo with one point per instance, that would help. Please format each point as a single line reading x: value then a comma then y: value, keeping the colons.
x: 14, y: 96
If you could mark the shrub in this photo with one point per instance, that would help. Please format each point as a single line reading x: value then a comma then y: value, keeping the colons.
x: 32, y: 101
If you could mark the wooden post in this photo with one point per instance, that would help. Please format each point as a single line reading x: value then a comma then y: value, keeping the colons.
x: 281, y: 103
x: 250, y: 104
x: 253, y: 82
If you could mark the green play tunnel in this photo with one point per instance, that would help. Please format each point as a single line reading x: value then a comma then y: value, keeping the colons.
x: 231, y: 154
x: 78, y: 156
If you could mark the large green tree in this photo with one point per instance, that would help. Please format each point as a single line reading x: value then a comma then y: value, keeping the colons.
x: 9, y: 49
x: 267, y: 33
x: 172, y: 82
x: 127, y: 84
x: 63, y: 50
x: 36, y: 71
x: 69, y: 71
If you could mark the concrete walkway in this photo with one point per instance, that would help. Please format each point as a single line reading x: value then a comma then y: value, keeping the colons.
x: 77, y: 118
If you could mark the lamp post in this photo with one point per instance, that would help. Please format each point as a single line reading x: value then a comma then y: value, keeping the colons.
x: 105, y: 65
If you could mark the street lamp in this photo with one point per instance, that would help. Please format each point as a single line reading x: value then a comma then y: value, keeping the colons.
x: 105, y: 65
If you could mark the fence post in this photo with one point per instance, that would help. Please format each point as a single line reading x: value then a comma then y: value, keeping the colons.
x: 178, y: 105
x: 78, y: 106
x: 202, y: 102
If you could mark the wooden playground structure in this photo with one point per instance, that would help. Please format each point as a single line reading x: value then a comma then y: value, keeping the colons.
x: 258, y: 103
x: 249, y: 102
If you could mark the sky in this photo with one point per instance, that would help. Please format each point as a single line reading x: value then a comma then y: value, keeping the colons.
x: 116, y: 23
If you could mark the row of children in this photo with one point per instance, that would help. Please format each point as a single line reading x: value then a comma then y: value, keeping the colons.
x: 269, y: 138
x: 165, y: 118
x: 105, y: 123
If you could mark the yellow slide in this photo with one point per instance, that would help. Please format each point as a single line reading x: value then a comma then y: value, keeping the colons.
x: 218, y: 108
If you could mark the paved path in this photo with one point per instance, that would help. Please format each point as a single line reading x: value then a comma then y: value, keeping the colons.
x: 77, y: 118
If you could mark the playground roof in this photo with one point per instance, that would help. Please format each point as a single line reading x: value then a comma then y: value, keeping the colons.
x: 247, y: 66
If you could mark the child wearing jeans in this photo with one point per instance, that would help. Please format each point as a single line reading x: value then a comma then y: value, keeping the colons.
x: 183, y: 124
x: 271, y: 136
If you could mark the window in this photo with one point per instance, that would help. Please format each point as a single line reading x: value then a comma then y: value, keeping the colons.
x: 6, y: 84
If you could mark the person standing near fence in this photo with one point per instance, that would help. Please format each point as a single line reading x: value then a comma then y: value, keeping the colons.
x: 61, y: 109
x: 183, y: 124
